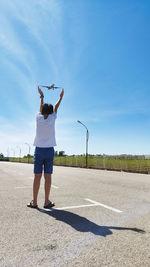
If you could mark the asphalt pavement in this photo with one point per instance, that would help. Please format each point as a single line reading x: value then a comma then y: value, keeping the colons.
x: 101, y: 218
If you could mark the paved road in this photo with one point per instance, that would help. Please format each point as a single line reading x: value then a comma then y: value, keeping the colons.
x: 101, y: 219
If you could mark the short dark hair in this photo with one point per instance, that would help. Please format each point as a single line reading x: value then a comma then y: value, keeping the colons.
x: 47, y: 109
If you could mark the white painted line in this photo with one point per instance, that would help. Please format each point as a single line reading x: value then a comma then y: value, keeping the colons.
x: 74, y: 207
x: 22, y: 187
x: 94, y: 203
x: 103, y: 205
x: 54, y: 186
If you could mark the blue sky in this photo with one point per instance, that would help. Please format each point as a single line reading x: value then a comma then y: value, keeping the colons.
x: 98, y: 50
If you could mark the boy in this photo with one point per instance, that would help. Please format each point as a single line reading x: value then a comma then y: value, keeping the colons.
x: 44, y: 143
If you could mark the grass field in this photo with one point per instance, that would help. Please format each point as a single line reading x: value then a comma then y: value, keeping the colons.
x: 99, y: 162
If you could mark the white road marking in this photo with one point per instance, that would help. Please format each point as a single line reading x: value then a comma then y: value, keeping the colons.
x: 22, y: 187
x: 72, y: 207
x: 54, y: 186
x: 103, y: 205
x: 94, y: 203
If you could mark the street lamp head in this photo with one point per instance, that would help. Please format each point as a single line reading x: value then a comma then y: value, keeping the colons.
x: 79, y: 121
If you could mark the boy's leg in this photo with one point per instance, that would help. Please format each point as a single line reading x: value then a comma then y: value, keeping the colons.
x: 48, y: 170
x: 36, y: 186
x: 38, y: 166
x: 48, y: 178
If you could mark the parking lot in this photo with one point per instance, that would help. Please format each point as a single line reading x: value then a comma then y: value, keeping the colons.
x: 101, y: 218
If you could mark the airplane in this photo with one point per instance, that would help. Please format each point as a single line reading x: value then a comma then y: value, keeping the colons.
x: 50, y: 87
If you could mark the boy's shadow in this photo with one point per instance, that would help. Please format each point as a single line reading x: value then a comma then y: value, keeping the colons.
x: 82, y: 224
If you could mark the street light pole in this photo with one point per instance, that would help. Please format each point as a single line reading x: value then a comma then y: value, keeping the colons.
x: 13, y: 152
x: 8, y: 152
x: 29, y: 150
x: 87, y: 138
x: 19, y: 153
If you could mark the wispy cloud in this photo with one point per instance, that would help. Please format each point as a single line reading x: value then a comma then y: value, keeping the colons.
x: 14, y: 135
x: 42, y: 20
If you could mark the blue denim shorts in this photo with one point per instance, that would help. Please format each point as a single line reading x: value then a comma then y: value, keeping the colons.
x: 43, y: 158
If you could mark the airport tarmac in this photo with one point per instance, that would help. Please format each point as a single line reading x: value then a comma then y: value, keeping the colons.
x: 101, y: 218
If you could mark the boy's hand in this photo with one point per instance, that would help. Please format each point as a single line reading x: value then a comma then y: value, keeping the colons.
x: 58, y: 102
x: 40, y: 91
x: 62, y: 93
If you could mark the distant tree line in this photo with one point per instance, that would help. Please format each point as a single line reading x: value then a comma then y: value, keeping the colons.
x: 3, y: 158
x: 57, y: 154
x: 62, y: 154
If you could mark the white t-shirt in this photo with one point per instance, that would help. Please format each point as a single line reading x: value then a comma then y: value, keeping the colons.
x: 45, y: 130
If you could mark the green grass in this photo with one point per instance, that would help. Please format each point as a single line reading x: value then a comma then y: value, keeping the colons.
x: 23, y: 160
x: 99, y: 162
x: 131, y: 165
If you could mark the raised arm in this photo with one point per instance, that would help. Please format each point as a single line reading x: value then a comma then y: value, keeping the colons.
x: 58, y: 102
x: 41, y: 96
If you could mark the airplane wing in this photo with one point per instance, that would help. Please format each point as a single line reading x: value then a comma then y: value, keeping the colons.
x: 50, y: 87
x: 44, y: 86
